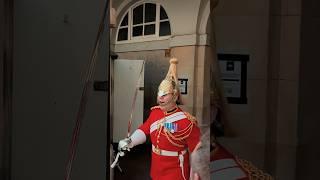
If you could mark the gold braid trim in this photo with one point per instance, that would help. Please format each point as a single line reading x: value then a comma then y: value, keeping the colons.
x: 155, y: 107
x: 171, y: 141
x: 171, y: 137
x: 182, y: 134
x: 178, y: 137
x: 253, y: 172
x: 190, y: 117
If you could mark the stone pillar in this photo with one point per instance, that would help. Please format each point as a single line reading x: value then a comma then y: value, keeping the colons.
x: 282, y: 94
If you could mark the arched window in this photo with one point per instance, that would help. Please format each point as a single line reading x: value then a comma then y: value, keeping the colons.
x: 142, y: 22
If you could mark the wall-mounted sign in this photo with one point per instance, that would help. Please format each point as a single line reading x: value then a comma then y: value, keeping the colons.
x: 183, y: 86
x: 233, y: 69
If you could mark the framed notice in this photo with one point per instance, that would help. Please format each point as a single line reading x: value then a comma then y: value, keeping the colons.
x: 233, y: 69
x: 183, y: 86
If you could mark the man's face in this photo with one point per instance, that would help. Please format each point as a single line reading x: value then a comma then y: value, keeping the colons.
x: 166, y: 99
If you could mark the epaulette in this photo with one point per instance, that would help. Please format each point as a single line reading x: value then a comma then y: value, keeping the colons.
x: 190, y: 117
x: 155, y: 107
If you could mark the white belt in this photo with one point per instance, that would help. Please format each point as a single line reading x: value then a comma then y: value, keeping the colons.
x: 167, y: 153
x: 172, y: 153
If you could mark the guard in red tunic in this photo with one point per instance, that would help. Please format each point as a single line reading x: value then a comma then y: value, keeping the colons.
x: 174, y: 133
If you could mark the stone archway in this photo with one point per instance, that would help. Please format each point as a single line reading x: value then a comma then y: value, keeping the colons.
x: 207, y: 73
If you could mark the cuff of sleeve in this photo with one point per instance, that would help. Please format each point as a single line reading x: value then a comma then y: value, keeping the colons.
x: 137, y: 137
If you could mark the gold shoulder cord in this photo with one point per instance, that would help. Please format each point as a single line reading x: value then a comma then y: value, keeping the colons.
x: 253, y: 172
x: 182, y: 134
x: 190, y: 117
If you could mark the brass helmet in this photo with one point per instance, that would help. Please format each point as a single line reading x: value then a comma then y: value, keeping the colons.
x: 170, y: 83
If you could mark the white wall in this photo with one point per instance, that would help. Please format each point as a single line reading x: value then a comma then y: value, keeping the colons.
x: 53, y: 43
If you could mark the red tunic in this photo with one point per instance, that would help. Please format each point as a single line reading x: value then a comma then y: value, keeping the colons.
x: 168, y: 167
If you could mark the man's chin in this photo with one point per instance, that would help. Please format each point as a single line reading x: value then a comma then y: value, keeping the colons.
x: 162, y: 105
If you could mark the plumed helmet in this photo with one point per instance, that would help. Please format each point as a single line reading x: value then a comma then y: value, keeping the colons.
x: 170, y: 83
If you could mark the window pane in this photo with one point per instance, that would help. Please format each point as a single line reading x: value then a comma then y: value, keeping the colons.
x: 125, y: 21
x: 164, y: 28
x: 150, y: 12
x: 163, y: 14
x: 137, y: 31
x: 123, y: 34
x: 138, y: 15
x: 149, y: 29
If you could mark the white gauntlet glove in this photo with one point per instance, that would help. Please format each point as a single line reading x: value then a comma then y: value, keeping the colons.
x: 137, y: 137
x: 124, y: 144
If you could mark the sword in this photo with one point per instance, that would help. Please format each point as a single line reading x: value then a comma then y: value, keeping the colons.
x: 121, y: 153
x: 115, y: 162
x: 134, y: 101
